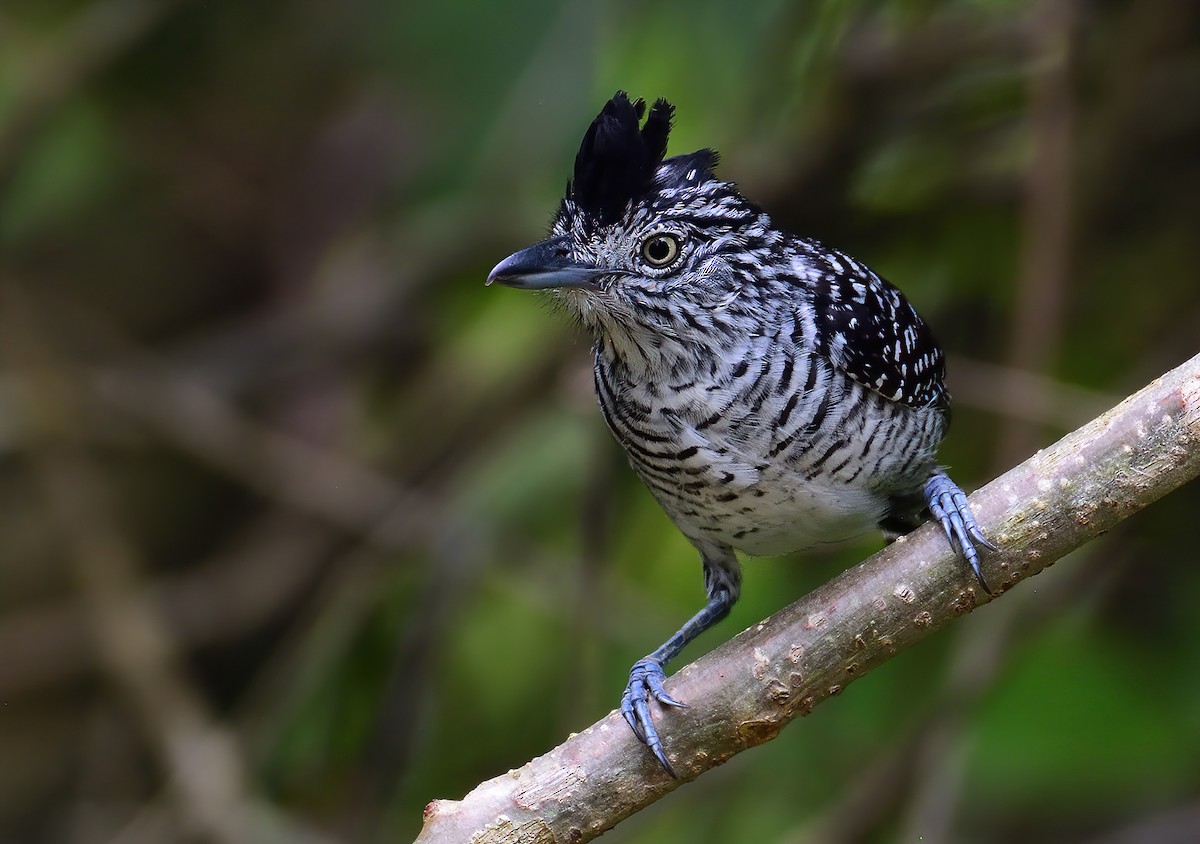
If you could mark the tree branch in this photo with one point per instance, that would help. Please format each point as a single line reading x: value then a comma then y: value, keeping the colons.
x: 744, y: 692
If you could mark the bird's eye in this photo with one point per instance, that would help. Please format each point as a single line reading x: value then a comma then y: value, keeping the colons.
x: 661, y: 249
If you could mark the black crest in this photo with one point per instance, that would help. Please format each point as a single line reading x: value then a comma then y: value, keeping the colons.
x: 618, y: 156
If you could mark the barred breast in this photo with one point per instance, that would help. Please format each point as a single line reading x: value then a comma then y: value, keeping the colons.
x: 772, y: 449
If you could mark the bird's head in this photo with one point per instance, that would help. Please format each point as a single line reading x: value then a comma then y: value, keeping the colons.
x: 638, y: 239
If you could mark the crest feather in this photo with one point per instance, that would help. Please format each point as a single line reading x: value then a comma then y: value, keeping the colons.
x: 618, y: 157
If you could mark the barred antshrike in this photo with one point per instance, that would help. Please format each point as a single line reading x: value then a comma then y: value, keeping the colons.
x: 770, y: 391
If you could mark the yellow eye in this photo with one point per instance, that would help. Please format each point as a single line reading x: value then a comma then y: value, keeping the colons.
x: 660, y: 250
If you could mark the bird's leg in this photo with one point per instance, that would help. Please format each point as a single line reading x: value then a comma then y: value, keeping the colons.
x: 722, y: 579
x: 948, y: 504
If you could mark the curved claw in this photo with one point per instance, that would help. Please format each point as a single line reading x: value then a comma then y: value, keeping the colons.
x: 948, y: 504
x: 645, y: 682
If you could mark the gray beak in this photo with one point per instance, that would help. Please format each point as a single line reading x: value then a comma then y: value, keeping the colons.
x: 544, y: 265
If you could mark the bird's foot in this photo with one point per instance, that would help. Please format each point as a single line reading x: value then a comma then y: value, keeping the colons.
x: 645, y: 682
x: 948, y: 504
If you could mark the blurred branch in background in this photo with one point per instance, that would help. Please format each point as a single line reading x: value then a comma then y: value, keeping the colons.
x: 252, y: 582
x: 1020, y: 396
x: 1043, y: 272
x: 1176, y: 826
x: 203, y: 763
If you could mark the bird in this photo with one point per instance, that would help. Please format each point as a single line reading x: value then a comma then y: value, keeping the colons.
x: 772, y: 392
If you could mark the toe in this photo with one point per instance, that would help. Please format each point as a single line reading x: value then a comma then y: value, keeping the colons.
x: 948, y: 505
x: 646, y: 681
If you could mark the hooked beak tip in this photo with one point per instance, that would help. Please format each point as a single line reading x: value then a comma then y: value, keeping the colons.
x: 543, y: 266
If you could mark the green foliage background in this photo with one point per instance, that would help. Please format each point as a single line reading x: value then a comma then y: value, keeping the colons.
x: 391, y: 546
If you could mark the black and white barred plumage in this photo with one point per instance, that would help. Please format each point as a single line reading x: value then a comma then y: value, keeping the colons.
x: 771, y: 392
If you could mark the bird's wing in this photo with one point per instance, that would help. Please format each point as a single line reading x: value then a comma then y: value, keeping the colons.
x: 869, y: 331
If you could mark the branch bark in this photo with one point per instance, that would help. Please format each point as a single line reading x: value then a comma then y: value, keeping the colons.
x: 744, y: 692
